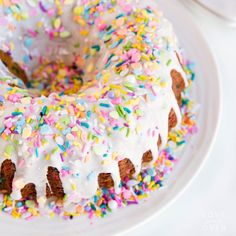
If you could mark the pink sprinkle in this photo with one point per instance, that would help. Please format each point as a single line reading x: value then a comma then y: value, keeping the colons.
x: 126, y: 194
x: 33, y: 12
x: 62, y: 158
x: 3, y: 21
x: 21, y: 163
x: 13, y: 97
x: 116, y: 101
x: 132, y: 56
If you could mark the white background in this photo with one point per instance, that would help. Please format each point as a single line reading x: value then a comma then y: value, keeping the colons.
x: 208, y: 206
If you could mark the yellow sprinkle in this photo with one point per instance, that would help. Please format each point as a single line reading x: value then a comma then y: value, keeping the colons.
x: 52, y: 214
x: 90, y: 68
x: 57, y: 23
x: 106, y: 162
x: 27, y: 131
x: 78, y: 10
x: 84, y: 32
x: 47, y: 157
x: 163, y: 84
x: 73, y: 186
x: 102, y: 119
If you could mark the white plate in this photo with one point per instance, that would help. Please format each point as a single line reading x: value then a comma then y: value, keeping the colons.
x: 206, y: 91
x: 222, y: 8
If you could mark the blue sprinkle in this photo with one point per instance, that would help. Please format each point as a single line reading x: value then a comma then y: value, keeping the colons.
x: 151, y: 172
x: 115, y: 127
x: 16, y: 113
x: 61, y: 147
x: 8, y: 11
x: 19, y: 204
x: 28, y: 42
x: 36, y: 152
x: 2, y: 99
x: 104, y: 105
x: 120, y: 15
x: 77, y: 175
x: 18, y: 129
x: 67, y: 144
x: 91, y: 176
x: 44, y: 110
x: 2, y: 129
x: 66, y: 168
x: 84, y: 124
x: 127, y: 110
x: 66, y: 131
x: 95, y: 198
x: 26, y: 59
x: 111, y: 31
x: 87, y: 208
x: 21, y: 121
x: 115, y: 44
x: 98, y: 76
x: 89, y: 114
x: 45, y: 129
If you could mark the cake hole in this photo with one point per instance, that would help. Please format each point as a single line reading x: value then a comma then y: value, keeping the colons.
x: 56, y: 77
x: 48, y: 77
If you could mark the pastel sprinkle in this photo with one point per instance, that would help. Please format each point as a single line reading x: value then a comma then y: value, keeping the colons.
x: 27, y: 131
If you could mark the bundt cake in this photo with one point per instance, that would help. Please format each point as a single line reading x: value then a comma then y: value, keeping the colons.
x: 89, y: 91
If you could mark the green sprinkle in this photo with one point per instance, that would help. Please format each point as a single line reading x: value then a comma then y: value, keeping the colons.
x: 168, y: 62
x: 128, y: 46
x: 129, y: 86
x: 57, y: 23
x: 128, y: 132
x: 30, y: 203
x: 77, y: 45
x: 96, y: 47
x: 93, y: 207
x: 138, y: 112
x: 120, y: 110
x: 65, y: 120
x: 89, y: 136
x: 65, y: 34
x: 181, y: 142
x: 9, y: 149
x: 120, y: 63
x: 109, y: 58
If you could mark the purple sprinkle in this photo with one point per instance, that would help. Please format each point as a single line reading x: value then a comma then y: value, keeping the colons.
x: 42, y: 7
x: 1, y: 98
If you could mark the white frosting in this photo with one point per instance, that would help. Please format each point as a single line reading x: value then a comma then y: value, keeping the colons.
x: 86, y: 159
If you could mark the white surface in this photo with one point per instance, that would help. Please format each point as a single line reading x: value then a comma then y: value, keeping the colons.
x: 208, y: 206
x: 225, y: 9
x: 206, y: 92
